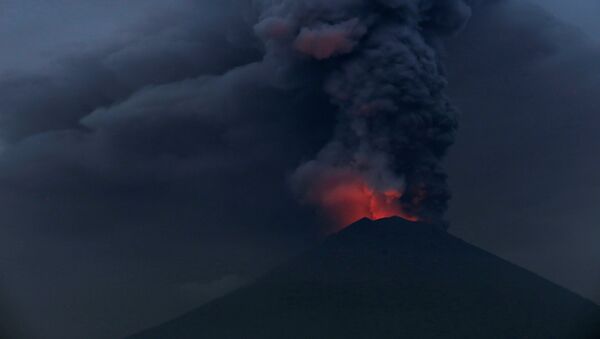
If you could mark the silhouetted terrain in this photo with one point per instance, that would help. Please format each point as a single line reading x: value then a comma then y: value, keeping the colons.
x: 392, y: 279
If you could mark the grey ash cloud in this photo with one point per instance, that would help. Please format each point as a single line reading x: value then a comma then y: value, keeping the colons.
x: 382, y: 72
x: 164, y: 145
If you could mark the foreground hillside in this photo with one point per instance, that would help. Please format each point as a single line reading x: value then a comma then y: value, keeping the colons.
x: 392, y: 279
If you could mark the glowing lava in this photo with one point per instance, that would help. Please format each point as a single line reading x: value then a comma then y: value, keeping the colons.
x: 350, y: 199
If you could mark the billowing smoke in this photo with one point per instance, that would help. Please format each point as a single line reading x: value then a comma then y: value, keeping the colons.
x: 383, y: 73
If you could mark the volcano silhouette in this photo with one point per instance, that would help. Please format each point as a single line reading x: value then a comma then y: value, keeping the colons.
x: 392, y: 279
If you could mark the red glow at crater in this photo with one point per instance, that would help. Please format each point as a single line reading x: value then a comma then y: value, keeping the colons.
x: 349, y: 199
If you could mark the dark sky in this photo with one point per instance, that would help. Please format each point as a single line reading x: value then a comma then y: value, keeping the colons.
x: 524, y: 171
x: 145, y: 154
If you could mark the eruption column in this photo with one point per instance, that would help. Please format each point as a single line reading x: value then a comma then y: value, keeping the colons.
x: 382, y: 71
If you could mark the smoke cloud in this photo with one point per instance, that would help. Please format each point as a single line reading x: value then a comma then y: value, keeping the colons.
x: 384, y: 76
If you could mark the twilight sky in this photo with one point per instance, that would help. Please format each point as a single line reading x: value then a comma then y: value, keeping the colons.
x: 145, y: 154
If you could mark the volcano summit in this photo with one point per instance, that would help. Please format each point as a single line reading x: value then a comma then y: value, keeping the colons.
x: 392, y: 279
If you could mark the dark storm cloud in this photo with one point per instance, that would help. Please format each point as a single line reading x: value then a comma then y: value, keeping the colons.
x: 182, y: 44
x: 183, y: 99
x: 161, y: 148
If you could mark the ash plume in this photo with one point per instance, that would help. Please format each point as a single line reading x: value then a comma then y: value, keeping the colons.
x: 383, y: 73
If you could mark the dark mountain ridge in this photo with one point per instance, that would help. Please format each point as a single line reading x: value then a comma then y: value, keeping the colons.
x: 392, y: 279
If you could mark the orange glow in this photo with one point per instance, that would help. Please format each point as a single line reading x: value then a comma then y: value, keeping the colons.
x: 349, y: 198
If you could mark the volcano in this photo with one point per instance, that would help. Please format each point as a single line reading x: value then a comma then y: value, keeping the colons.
x: 392, y: 279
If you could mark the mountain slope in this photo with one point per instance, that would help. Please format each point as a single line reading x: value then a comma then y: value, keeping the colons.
x: 392, y: 279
